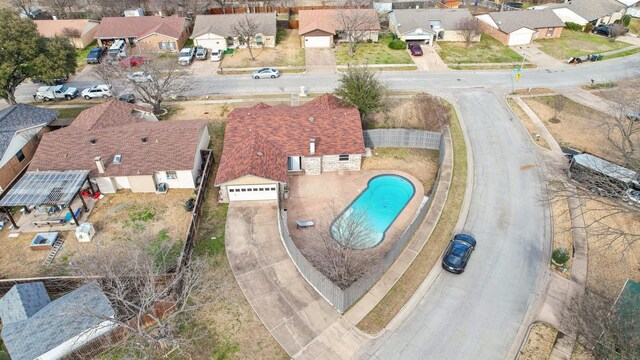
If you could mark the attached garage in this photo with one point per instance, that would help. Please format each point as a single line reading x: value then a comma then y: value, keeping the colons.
x: 522, y: 36
x: 211, y: 41
x: 253, y: 192
x: 317, y: 41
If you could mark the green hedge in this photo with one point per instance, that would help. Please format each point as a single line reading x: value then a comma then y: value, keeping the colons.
x: 397, y: 44
x: 573, y: 26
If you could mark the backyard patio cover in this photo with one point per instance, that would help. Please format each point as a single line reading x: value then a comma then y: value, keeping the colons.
x: 45, y: 188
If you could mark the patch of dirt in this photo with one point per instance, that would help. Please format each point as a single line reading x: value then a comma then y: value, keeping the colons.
x: 580, y: 127
x: 287, y: 52
x: 532, y: 129
x: 562, y: 230
x: 628, y: 90
x: 534, y: 91
x: 539, y: 342
x: 421, y: 163
x: 610, y: 266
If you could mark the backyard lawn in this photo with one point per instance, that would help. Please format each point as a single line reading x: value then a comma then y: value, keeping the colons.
x: 634, y: 26
x: 577, y: 43
x: 488, y: 50
x: 372, y: 53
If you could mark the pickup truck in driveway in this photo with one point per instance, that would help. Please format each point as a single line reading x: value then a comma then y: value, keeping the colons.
x: 48, y: 93
x: 186, y: 55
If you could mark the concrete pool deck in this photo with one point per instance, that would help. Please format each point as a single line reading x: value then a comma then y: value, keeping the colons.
x: 311, y: 196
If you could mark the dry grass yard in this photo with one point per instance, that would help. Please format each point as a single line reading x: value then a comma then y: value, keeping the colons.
x: 539, y: 342
x: 526, y: 121
x: 421, y: 163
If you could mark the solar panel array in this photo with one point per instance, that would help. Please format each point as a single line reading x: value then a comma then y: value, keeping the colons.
x: 45, y: 188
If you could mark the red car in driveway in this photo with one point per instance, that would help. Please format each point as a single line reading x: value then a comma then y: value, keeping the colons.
x: 133, y: 61
x: 415, y: 49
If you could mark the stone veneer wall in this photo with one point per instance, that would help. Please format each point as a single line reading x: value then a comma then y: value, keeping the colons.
x: 331, y: 163
x: 311, y: 165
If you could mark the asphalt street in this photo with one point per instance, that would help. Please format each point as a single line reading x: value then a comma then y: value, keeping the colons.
x: 477, y: 314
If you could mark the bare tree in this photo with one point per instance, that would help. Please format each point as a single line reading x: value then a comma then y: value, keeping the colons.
x: 431, y: 112
x: 616, y: 30
x: 354, y: 21
x: 61, y: 8
x: 193, y: 7
x: 223, y: 5
x: 340, y: 247
x: 23, y: 5
x: 558, y: 103
x: 609, y: 328
x: 469, y: 28
x: 157, y: 79
x: 246, y: 29
x: 623, y: 131
x: 135, y: 275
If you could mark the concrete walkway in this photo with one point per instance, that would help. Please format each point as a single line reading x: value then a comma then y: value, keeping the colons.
x: 588, y: 99
x: 320, y: 60
x: 533, y: 54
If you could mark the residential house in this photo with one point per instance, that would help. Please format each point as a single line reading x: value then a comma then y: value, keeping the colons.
x: 596, y: 12
x: 323, y: 28
x: 125, y: 147
x: 148, y: 34
x: 34, y: 327
x: 217, y: 31
x: 429, y: 25
x: 265, y: 144
x: 521, y: 27
x: 21, y: 128
x: 80, y: 32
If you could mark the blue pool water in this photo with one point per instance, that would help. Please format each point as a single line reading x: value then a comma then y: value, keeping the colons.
x: 378, y: 206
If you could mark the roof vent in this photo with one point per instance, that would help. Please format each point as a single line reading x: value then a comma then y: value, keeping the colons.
x: 259, y: 153
x: 143, y: 139
x: 311, y: 118
x: 93, y: 141
x: 117, y: 159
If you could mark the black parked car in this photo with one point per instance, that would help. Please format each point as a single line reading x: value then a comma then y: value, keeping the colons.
x: 128, y: 98
x: 457, y: 255
x: 605, y: 30
x: 96, y: 54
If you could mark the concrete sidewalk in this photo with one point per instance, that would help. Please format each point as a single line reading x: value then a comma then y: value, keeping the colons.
x: 588, y: 99
x: 533, y: 54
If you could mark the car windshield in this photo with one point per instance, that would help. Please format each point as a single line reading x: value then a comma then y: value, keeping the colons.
x: 63, y: 88
x: 454, y: 259
x: 184, y: 53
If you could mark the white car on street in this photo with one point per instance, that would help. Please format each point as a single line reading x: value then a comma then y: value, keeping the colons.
x: 97, y: 91
x: 139, y: 76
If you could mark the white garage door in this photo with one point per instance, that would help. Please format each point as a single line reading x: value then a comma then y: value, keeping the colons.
x: 520, y: 38
x: 212, y: 44
x: 253, y: 192
x: 317, y: 41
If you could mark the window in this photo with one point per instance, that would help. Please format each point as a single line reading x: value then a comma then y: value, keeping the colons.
x: 172, y: 175
x: 344, y: 157
x: 549, y: 32
x: 259, y: 40
x: 20, y: 155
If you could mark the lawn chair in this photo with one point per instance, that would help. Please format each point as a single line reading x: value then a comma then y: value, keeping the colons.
x: 301, y: 224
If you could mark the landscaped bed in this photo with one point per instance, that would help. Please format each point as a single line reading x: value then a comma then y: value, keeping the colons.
x: 578, y: 44
x: 488, y: 50
x: 539, y: 342
x: 372, y: 53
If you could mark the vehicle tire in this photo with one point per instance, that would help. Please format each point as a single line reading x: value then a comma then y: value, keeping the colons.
x: 104, y: 96
x: 256, y: 77
x: 68, y: 97
x: 273, y: 76
x: 87, y: 97
x: 46, y: 99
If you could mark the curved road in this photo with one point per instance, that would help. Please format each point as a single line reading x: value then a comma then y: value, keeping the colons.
x: 476, y: 315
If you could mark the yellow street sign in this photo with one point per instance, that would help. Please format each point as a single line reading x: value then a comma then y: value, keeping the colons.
x: 518, y: 75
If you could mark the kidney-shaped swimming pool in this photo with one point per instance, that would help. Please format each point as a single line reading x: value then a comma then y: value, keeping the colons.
x: 379, y: 205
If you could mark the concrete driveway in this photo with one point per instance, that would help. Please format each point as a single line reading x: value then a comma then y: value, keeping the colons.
x: 476, y: 315
x: 320, y: 60
x: 430, y: 60
x: 533, y: 54
x: 287, y: 305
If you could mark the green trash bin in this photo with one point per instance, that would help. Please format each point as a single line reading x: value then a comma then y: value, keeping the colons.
x: 600, y: 57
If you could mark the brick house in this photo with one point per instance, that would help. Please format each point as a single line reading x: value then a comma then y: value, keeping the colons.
x: 126, y: 147
x: 147, y: 34
x: 521, y: 27
x: 323, y: 28
x: 21, y: 128
x: 264, y: 144
x: 429, y: 25
x: 216, y: 31
x: 80, y: 32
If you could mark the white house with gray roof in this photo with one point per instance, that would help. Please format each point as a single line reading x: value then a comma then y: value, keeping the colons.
x: 429, y: 25
x: 521, y: 27
x: 21, y: 128
x: 217, y: 31
x: 34, y: 327
x: 597, y: 12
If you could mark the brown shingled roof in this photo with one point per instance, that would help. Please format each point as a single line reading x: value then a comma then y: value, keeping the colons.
x: 51, y: 28
x: 280, y: 131
x: 145, y: 147
x: 328, y: 20
x: 140, y: 26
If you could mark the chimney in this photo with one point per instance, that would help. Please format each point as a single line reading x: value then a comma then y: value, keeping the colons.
x: 312, y: 146
x: 99, y: 164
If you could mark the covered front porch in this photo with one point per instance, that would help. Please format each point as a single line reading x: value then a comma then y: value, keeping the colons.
x: 49, y: 201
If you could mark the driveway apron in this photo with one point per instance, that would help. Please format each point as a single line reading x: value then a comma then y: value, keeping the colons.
x: 320, y: 60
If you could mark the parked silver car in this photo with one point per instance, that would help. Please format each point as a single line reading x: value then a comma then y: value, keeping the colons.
x: 201, y: 53
x: 216, y: 55
x: 139, y: 76
x: 266, y: 73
